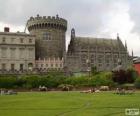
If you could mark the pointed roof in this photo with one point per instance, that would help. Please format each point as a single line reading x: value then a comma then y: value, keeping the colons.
x: 101, y: 42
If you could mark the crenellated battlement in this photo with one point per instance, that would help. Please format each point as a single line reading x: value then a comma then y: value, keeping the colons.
x: 42, y: 22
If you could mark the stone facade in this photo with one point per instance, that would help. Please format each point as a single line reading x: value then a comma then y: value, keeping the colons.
x: 84, y: 53
x: 17, y: 51
x: 44, y: 49
x: 49, y: 64
x: 50, y: 36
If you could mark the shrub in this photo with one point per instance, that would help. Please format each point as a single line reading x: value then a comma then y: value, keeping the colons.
x: 137, y: 83
x: 77, y: 81
x: 128, y: 86
x: 102, y: 79
x: 125, y: 76
x: 7, y: 82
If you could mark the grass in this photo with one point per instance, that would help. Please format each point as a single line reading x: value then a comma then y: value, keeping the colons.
x: 67, y: 104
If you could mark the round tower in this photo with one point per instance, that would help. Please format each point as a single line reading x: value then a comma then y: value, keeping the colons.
x: 50, y: 35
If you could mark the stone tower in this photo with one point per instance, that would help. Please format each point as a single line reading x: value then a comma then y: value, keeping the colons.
x: 50, y: 36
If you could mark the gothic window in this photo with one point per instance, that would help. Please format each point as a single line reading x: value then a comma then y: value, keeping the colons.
x: 84, y: 56
x: 100, y: 60
x: 107, y: 60
x: 115, y: 60
x: 115, y: 65
x: 107, y: 65
x: 100, y: 56
x: 116, y: 55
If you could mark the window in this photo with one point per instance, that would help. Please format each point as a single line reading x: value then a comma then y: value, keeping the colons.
x: 51, y: 65
x: 21, y: 53
x: 47, y: 36
x: 12, y: 66
x: 12, y: 52
x: 31, y: 53
x: 12, y: 40
x: 30, y: 40
x: 3, y: 39
x: 21, y: 40
x: 60, y: 65
x: 4, y: 52
x: 107, y: 65
x: 3, y: 67
x: 41, y: 65
x: 46, y: 65
x: 21, y: 67
x: 100, y: 65
x: 56, y: 65
x: 36, y: 65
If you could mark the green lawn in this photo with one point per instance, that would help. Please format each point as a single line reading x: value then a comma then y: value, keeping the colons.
x: 67, y: 104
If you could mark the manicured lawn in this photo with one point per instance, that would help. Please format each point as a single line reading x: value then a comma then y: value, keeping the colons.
x: 67, y: 104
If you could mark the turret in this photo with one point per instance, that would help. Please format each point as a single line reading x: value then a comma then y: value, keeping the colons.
x: 72, y: 33
x: 125, y: 45
x: 50, y: 35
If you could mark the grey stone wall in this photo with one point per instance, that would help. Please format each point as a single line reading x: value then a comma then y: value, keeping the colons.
x: 50, y: 36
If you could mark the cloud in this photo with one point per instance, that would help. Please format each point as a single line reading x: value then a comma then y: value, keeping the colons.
x: 96, y: 18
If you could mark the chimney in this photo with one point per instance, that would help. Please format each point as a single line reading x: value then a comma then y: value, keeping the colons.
x: 6, y: 29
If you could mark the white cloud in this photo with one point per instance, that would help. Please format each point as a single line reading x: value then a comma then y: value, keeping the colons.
x: 12, y: 27
x: 96, y: 18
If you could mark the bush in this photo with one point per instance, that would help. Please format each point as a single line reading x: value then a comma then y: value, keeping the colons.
x: 124, y: 76
x: 7, y: 82
x: 128, y: 86
x: 77, y: 81
x: 137, y: 83
x: 102, y: 79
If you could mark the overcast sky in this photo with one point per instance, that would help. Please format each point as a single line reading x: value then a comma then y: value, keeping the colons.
x: 93, y: 18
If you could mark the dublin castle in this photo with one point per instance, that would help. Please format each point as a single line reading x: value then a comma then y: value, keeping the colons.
x: 44, y: 49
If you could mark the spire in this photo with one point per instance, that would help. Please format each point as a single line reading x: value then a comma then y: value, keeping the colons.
x: 118, y: 36
x: 125, y: 44
x: 132, y: 54
x: 72, y: 33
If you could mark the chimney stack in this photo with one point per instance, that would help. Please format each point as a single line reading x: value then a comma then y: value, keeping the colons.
x: 6, y: 29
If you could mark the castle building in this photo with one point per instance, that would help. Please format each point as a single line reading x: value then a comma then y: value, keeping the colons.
x: 44, y: 48
x: 50, y: 36
x: 104, y: 54
x: 17, y: 51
